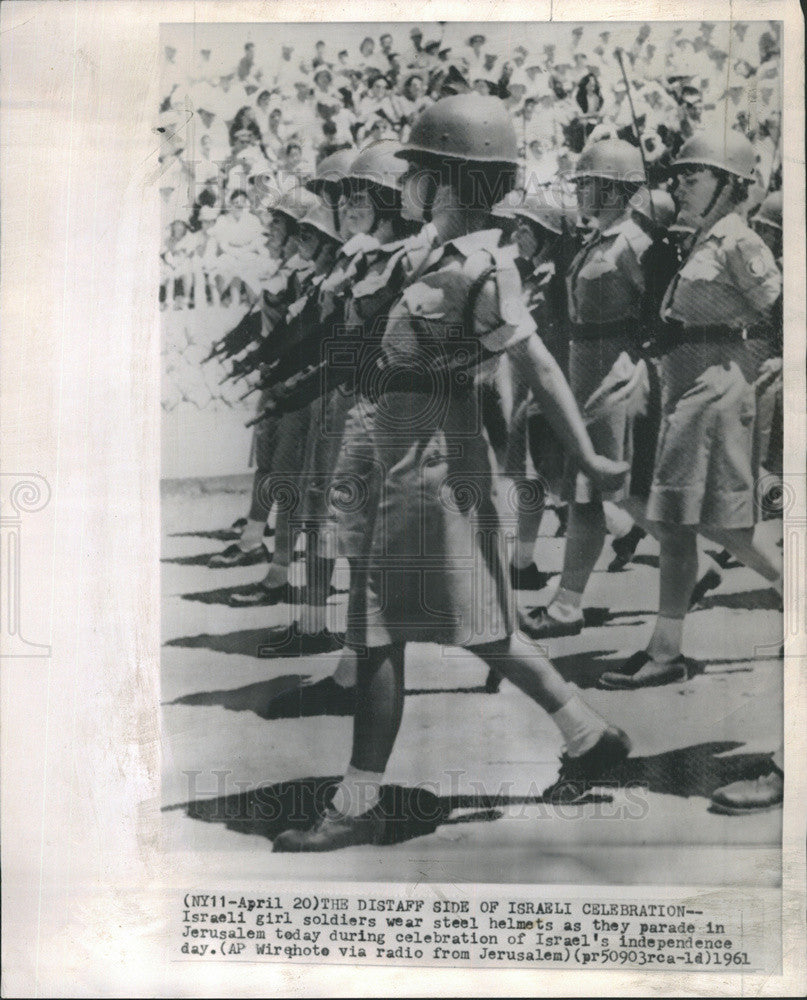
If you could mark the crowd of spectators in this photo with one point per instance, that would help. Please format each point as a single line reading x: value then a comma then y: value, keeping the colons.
x: 235, y: 138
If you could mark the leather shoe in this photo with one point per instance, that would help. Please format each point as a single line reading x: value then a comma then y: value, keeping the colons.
x: 541, y: 625
x: 333, y: 831
x: 234, y: 555
x: 641, y: 670
x: 625, y: 548
x: 259, y: 596
x: 577, y: 774
x: 710, y: 580
x: 742, y: 798
x: 287, y: 640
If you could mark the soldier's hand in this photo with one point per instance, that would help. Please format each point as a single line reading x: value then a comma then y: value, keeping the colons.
x: 608, y: 474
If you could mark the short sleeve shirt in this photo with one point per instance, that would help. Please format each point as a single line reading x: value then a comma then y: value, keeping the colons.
x: 605, y: 281
x: 730, y: 279
x: 434, y: 305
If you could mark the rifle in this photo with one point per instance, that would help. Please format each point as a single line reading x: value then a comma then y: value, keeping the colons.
x: 618, y: 54
x: 244, y: 333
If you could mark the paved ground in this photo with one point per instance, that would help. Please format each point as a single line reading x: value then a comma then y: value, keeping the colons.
x: 232, y: 776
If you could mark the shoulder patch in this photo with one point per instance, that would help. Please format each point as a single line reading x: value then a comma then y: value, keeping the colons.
x: 756, y: 266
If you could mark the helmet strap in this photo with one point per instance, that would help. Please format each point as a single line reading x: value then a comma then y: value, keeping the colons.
x: 722, y: 180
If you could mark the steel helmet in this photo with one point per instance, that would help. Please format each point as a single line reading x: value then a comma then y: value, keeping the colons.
x: 663, y: 209
x: 613, y: 159
x: 331, y: 170
x: 464, y: 127
x: 295, y: 203
x: 379, y: 163
x: 320, y: 217
x: 544, y: 207
x: 729, y: 151
x: 769, y: 212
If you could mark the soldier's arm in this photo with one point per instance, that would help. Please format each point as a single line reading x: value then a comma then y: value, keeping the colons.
x: 549, y: 385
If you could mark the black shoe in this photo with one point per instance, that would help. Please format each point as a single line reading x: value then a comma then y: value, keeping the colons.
x: 749, y: 796
x: 562, y: 514
x: 234, y: 555
x: 326, y: 697
x: 725, y: 560
x: 287, y: 640
x: 260, y: 596
x: 625, y: 548
x: 636, y: 672
x: 492, y: 682
x: 542, y: 625
x: 710, y: 580
x: 235, y: 531
x: 528, y: 578
x: 578, y: 774
x: 332, y: 831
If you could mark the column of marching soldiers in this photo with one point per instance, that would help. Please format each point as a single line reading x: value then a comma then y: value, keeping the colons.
x: 429, y: 330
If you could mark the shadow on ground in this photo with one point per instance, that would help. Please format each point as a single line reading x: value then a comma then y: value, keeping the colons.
x: 762, y: 599
x: 414, y: 812
x: 293, y: 696
x: 221, y: 595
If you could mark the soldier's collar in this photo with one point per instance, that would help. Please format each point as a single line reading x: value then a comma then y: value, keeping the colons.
x: 616, y: 227
x: 361, y: 242
x: 728, y: 225
x: 482, y: 239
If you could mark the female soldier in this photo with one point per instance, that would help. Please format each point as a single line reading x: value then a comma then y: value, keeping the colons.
x: 286, y: 215
x: 703, y: 480
x: 606, y: 288
x: 435, y: 572
x: 318, y: 242
x: 545, y: 246
x: 369, y: 213
x: 277, y: 293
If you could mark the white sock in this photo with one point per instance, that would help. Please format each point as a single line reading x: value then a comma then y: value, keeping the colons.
x: 252, y: 535
x: 617, y: 521
x: 357, y: 792
x: 345, y: 673
x: 312, y: 619
x: 276, y: 575
x: 667, y: 639
x: 566, y: 605
x: 580, y: 725
x: 522, y: 556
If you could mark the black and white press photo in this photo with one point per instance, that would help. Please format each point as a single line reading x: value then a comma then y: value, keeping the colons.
x: 472, y: 486
x: 402, y: 499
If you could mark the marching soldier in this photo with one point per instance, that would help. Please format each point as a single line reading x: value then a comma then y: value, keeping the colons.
x: 546, y: 246
x: 277, y: 293
x: 370, y: 217
x: 703, y: 478
x: 606, y: 289
x: 318, y: 244
x: 435, y: 571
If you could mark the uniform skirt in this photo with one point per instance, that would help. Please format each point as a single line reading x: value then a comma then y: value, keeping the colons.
x: 264, y: 439
x: 610, y: 390
x: 435, y: 560
x: 703, y: 470
x: 323, y: 439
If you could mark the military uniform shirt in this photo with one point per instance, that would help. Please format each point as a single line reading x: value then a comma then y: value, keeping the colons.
x: 730, y: 279
x: 605, y: 281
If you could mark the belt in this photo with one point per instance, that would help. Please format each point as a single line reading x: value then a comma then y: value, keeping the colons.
x: 627, y: 328
x: 437, y: 382
x: 672, y: 335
